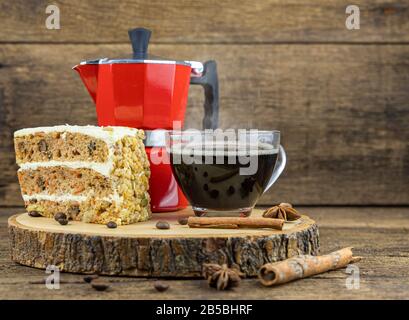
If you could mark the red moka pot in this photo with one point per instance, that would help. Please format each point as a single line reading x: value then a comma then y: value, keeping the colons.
x: 150, y: 93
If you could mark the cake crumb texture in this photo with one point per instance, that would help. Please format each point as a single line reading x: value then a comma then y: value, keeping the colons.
x: 65, y: 146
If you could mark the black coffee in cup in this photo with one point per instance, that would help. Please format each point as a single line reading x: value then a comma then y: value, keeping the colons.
x: 223, y: 178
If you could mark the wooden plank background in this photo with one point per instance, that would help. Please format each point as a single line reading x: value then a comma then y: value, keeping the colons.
x: 210, y: 21
x: 340, y: 97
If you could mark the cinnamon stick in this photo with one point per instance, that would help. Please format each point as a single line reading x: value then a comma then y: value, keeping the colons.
x: 234, y: 222
x: 304, y: 266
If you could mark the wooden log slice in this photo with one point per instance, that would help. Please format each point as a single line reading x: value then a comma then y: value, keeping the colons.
x: 143, y: 250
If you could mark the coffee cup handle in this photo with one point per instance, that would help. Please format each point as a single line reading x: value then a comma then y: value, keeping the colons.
x: 279, y: 167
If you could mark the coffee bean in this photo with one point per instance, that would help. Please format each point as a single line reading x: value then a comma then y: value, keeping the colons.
x: 231, y: 190
x: 99, y: 285
x: 62, y: 222
x: 60, y: 215
x: 161, y: 286
x: 205, y: 187
x: 183, y: 221
x: 214, y: 194
x: 42, y: 145
x: 162, y: 225
x: 111, y: 225
x: 90, y: 278
x: 34, y: 214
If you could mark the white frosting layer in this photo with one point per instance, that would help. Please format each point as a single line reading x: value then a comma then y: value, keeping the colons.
x: 62, y: 198
x: 67, y: 197
x: 103, y: 168
x: 112, y: 136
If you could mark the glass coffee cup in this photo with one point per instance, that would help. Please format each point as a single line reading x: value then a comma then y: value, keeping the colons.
x: 224, y: 173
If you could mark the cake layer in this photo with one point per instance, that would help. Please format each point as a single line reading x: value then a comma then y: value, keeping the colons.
x: 57, y: 146
x: 91, y: 210
x: 48, y: 208
x: 103, y: 168
x: 62, y: 180
x: 110, y: 134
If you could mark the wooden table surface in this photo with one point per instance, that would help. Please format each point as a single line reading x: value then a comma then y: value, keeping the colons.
x: 379, y: 234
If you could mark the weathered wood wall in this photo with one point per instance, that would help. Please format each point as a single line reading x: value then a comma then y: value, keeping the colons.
x: 340, y: 97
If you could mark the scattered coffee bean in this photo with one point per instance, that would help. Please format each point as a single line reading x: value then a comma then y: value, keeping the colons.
x: 42, y: 145
x: 161, y: 286
x: 60, y: 215
x: 34, y: 214
x: 162, y: 225
x: 111, y: 225
x: 183, y: 221
x: 99, y: 285
x: 90, y: 278
x: 62, y: 222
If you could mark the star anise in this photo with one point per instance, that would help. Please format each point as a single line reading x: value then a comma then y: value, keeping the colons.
x: 222, y: 277
x: 283, y: 211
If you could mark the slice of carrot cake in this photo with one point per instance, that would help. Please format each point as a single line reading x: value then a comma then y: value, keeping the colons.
x: 92, y: 174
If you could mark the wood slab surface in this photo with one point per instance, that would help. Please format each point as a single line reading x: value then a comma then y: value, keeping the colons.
x: 143, y: 250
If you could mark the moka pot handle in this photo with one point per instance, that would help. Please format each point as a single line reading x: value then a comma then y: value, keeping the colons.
x: 210, y: 83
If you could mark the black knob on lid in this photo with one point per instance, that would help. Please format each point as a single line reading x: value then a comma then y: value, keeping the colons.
x: 140, y: 41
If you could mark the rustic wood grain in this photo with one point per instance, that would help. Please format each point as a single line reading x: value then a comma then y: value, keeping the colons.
x: 342, y: 109
x: 188, y: 21
x: 142, y: 250
x: 383, y: 270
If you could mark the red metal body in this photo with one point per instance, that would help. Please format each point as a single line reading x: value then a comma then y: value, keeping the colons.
x: 164, y: 190
x: 139, y: 95
x: 146, y: 96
